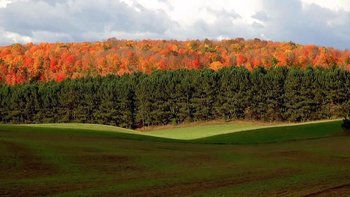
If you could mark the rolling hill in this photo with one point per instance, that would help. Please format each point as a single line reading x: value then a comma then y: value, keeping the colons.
x: 95, y: 160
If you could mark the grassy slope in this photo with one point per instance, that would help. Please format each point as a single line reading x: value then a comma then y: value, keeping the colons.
x: 96, y: 127
x: 194, y: 132
x: 85, y: 130
x: 277, y: 134
x: 199, y: 131
x: 182, y: 133
x: 76, y: 162
x: 190, y: 132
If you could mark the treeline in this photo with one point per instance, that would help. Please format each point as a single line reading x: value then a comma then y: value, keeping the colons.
x: 59, y: 61
x: 173, y: 97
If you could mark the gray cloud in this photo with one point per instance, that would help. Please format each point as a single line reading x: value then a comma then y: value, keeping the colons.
x: 89, y: 20
x: 222, y: 26
x: 74, y: 20
x: 261, y: 15
x: 311, y: 24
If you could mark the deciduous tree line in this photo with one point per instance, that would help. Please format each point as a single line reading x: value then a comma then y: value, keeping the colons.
x: 59, y: 61
x: 174, y: 97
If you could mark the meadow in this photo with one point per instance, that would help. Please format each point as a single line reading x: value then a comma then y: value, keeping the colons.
x: 216, y: 160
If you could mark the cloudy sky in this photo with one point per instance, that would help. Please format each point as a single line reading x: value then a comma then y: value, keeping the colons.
x: 322, y: 22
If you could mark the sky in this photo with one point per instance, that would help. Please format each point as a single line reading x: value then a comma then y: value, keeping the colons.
x: 320, y: 22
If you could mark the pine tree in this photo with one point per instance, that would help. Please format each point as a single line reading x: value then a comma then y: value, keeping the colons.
x: 293, y: 97
x: 274, y: 93
x: 232, y: 94
x: 144, y: 102
x: 257, y: 95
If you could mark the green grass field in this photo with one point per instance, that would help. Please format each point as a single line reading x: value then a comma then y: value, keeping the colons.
x: 94, y: 160
x: 182, y: 132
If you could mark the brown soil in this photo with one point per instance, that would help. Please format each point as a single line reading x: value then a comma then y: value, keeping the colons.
x: 30, y: 164
x: 338, y: 191
x: 181, y: 189
x: 308, y: 157
x: 106, y: 163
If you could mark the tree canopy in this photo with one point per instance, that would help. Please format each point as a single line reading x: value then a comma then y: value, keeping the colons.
x: 172, y: 97
x: 59, y: 61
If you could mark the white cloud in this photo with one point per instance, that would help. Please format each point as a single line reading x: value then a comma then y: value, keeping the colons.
x: 188, y: 12
x: 3, y: 3
x: 323, y: 22
x: 75, y: 20
x: 335, y: 5
x: 10, y: 37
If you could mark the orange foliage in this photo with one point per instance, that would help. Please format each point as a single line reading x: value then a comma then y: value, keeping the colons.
x: 58, y: 61
x: 216, y: 65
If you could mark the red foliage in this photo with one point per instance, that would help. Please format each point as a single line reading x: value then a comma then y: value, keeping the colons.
x: 58, y: 61
x: 28, y: 61
x: 60, y: 77
x: 241, y: 59
x: 195, y: 64
x: 53, y: 64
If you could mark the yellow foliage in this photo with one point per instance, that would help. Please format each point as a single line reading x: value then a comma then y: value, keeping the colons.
x: 216, y: 65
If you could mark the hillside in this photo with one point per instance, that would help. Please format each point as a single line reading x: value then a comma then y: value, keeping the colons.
x: 235, y: 132
x: 72, y: 160
x: 58, y: 61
